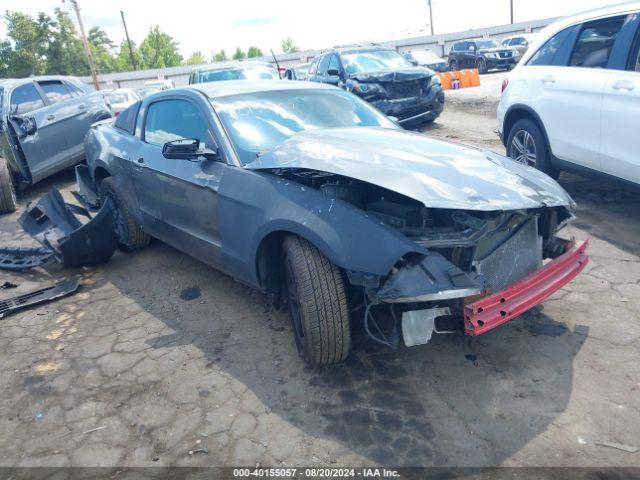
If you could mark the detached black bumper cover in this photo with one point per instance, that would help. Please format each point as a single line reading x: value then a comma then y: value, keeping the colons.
x: 54, y: 224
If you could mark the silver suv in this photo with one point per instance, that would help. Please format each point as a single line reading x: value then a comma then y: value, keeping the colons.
x: 43, y: 121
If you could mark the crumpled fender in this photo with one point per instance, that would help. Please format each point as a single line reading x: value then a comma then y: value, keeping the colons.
x: 253, y: 206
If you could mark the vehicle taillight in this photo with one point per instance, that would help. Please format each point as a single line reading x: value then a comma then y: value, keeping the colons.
x: 505, y: 83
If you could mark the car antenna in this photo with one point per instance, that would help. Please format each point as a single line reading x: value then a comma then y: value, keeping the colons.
x: 277, y: 64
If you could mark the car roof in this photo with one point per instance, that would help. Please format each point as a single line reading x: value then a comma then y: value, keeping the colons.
x: 14, y: 82
x: 234, y: 87
x: 233, y: 64
x: 593, y: 14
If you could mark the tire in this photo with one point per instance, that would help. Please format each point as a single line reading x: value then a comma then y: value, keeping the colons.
x: 481, y: 64
x: 317, y: 303
x: 130, y: 235
x: 8, y: 201
x: 526, y: 144
x: 453, y: 66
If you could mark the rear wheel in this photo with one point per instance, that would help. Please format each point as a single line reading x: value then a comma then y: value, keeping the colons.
x: 317, y: 303
x: 130, y: 235
x: 526, y: 144
x: 481, y: 65
x: 8, y: 200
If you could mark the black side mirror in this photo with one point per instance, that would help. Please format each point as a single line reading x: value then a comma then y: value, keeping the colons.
x: 27, y: 125
x: 187, y: 149
x: 333, y: 72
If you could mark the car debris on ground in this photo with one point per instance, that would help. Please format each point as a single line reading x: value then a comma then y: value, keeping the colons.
x: 41, y: 295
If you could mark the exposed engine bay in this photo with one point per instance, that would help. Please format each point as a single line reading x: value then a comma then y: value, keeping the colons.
x: 471, y: 253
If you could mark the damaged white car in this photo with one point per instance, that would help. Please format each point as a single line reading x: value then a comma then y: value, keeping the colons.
x: 311, y: 195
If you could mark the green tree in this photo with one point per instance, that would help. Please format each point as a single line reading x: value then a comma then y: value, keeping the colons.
x: 102, y: 48
x: 238, y: 54
x: 159, y: 50
x: 6, y: 55
x: 25, y: 53
x: 65, y: 53
x: 221, y: 56
x: 196, y: 58
x: 288, y: 46
x: 123, y: 58
x: 254, y: 52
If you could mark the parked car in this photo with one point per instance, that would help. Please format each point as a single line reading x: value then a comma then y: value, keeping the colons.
x: 309, y: 194
x: 426, y: 58
x: 162, y: 84
x: 573, y: 102
x: 146, y: 91
x: 248, y: 70
x: 43, y: 121
x: 520, y: 43
x: 121, y: 98
x: 381, y: 76
x: 483, y: 54
x: 298, y: 72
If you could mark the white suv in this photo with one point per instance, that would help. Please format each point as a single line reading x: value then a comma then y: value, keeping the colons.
x: 573, y: 101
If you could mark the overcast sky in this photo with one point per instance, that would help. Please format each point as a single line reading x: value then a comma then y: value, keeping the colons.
x: 211, y: 25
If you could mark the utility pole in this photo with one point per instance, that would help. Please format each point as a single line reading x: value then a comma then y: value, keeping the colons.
x: 85, y: 42
x: 126, y: 32
x: 511, y: 3
x: 431, y: 17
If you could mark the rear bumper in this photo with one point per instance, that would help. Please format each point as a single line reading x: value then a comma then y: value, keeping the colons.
x: 492, y: 311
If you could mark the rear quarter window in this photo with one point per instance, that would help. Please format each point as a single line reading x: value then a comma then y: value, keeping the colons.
x: 126, y: 121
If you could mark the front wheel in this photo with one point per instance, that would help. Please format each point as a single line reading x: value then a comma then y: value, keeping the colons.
x: 526, y: 144
x: 481, y: 64
x: 317, y: 303
x: 453, y: 65
x: 130, y: 235
x: 8, y: 201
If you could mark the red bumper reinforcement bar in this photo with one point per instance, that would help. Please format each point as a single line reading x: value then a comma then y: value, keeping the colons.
x: 489, y: 312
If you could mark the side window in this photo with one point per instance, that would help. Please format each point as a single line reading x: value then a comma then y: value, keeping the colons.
x: 25, y: 98
x: 334, y: 63
x: 454, y: 47
x: 127, y: 119
x: 517, y: 41
x: 324, y: 63
x: 505, y: 43
x: 169, y: 120
x: 595, y: 42
x: 75, y: 90
x: 547, y: 53
x: 55, y: 90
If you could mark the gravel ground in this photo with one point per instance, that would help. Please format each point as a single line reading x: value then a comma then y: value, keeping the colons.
x: 159, y: 356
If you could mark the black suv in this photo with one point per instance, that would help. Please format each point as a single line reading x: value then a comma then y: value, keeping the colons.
x: 482, y: 54
x: 384, y: 78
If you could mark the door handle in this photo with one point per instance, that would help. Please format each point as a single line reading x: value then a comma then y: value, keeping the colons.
x: 82, y: 106
x: 51, y: 116
x: 548, y: 80
x: 140, y: 160
x: 623, y: 86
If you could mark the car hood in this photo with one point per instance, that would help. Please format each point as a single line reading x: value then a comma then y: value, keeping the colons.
x: 436, y: 173
x: 389, y: 76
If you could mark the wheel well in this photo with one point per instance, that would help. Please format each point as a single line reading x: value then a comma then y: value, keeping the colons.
x: 100, y: 174
x: 518, y: 114
x: 270, y: 263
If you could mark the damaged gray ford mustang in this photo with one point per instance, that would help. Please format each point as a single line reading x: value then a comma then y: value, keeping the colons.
x: 311, y: 195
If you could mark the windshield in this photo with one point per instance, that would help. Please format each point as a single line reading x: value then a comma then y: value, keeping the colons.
x: 242, y: 73
x: 118, y: 98
x: 487, y: 44
x: 373, y: 61
x: 425, y: 56
x: 257, y: 122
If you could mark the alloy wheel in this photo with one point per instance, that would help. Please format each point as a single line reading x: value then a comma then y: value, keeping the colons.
x: 523, y: 148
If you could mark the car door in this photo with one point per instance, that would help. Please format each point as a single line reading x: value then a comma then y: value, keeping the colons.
x: 568, y: 76
x: 321, y: 73
x: 45, y: 149
x: 333, y: 67
x: 71, y: 116
x: 620, y: 145
x: 178, y: 198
